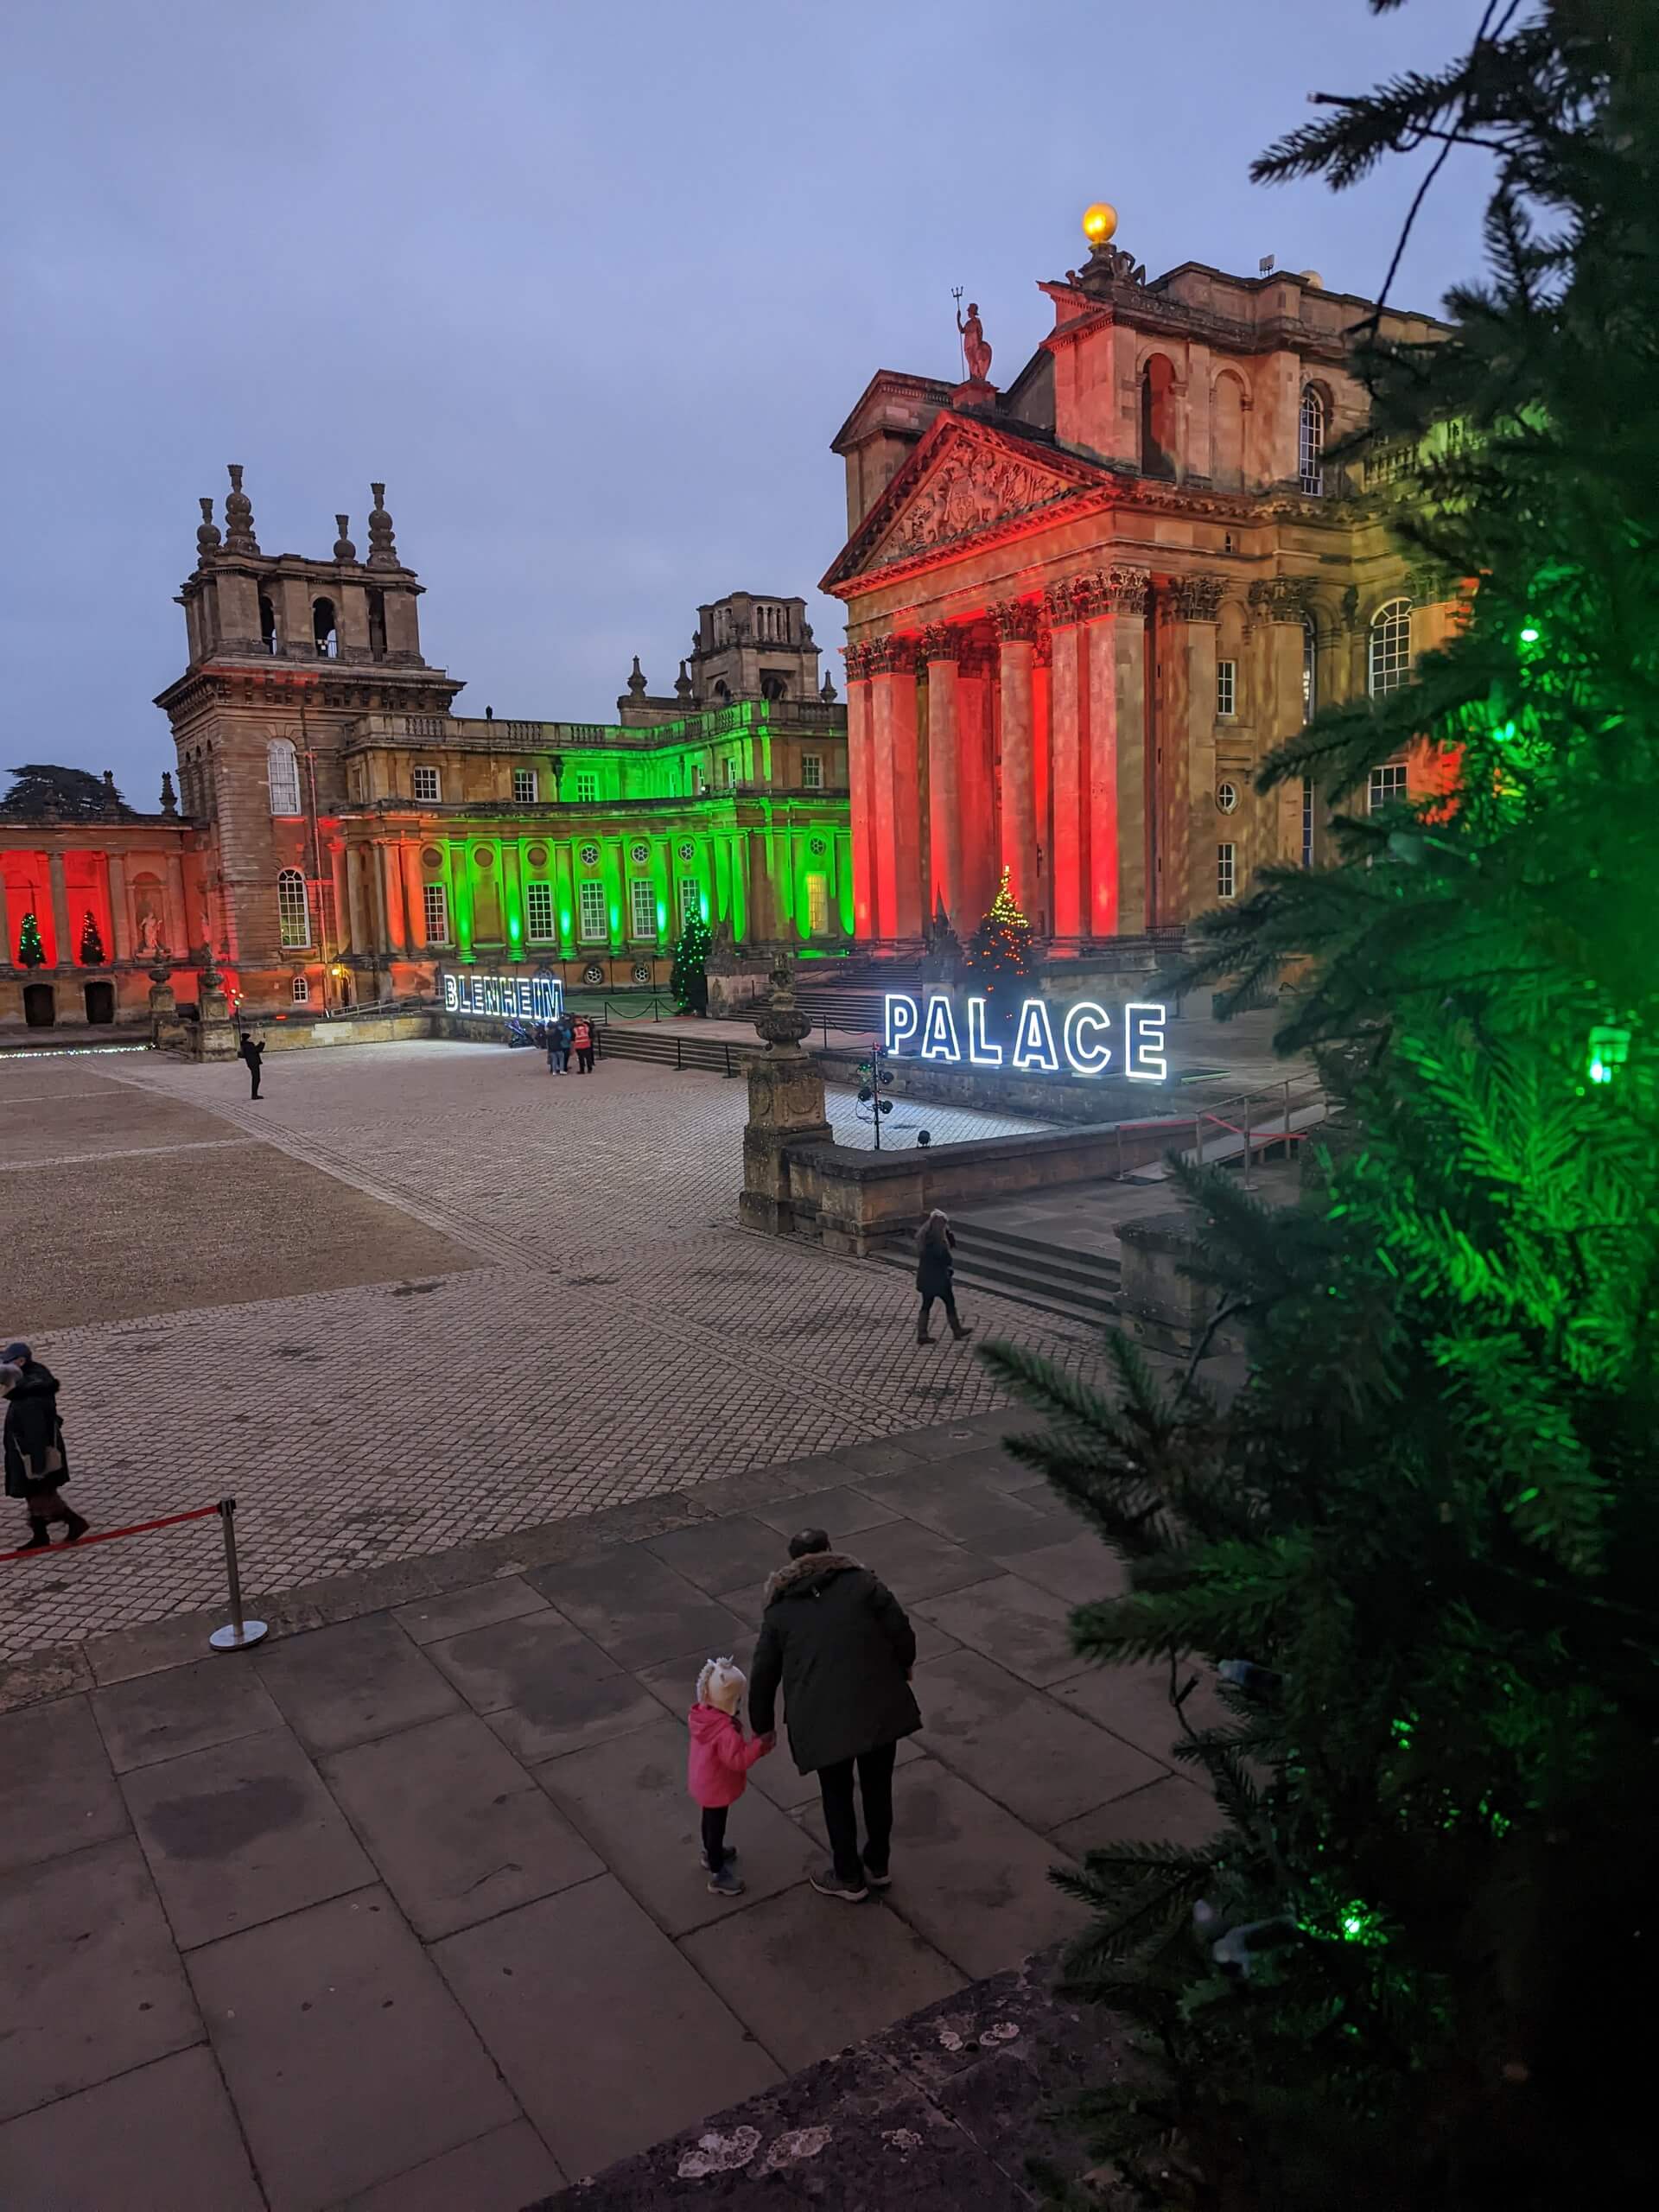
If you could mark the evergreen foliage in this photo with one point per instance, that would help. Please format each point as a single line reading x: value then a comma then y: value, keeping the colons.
x: 92, y: 954
x: 1402, y: 1972
x: 688, y: 979
x: 998, y: 957
x: 31, y: 953
x: 40, y: 788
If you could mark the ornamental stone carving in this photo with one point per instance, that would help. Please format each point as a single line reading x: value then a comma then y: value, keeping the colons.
x: 891, y: 656
x: 858, y: 663
x: 1113, y: 591
x: 1017, y: 620
x: 969, y: 489
x: 207, y: 539
x: 1196, y: 599
x: 1282, y: 599
x: 239, y: 515
x: 382, y: 550
x: 941, y: 642
x: 1060, y: 605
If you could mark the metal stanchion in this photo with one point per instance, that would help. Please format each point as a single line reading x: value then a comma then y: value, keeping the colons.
x: 240, y: 1633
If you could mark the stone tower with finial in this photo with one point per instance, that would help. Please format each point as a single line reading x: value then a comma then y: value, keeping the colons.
x: 292, y: 661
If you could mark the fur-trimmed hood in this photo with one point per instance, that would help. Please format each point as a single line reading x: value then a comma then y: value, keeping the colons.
x: 801, y: 1577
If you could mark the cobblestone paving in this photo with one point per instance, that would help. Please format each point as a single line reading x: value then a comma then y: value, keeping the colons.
x: 617, y: 1336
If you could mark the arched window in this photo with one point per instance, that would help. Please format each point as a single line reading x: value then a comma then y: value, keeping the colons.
x: 282, y: 775
x: 293, y: 908
x: 1390, y: 656
x: 1158, y: 418
x: 1310, y: 671
x: 322, y: 625
x: 1313, y: 442
x: 267, y: 624
x: 1227, y: 435
x: 301, y: 991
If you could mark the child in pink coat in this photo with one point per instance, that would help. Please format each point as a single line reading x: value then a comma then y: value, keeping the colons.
x: 717, y: 1769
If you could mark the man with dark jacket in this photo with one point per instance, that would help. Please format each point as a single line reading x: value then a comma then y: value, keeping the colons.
x: 843, y: 1647
x: 35, y: 1467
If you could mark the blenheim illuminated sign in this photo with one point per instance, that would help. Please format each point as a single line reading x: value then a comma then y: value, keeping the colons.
x: 506, y: 998
x: 1084, y: 1036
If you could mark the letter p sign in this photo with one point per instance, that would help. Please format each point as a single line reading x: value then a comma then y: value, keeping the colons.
x: 901, y: 1020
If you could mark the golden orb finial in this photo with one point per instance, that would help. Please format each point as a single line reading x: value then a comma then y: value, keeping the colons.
x: 1099, y: 223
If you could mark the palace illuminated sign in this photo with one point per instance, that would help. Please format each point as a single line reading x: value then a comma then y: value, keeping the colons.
x: 505, y: 998
x: 1083, y: 1045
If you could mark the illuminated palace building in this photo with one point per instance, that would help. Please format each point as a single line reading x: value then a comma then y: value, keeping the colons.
x: 1082, y: 609
x: 342, y: 833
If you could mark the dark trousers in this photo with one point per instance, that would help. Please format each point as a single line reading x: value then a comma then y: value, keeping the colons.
x: 947, y: 1298
x: 254, y: 1073
x: 714, y: 1835
x: 841, y: 1819
x: 585, y: 1061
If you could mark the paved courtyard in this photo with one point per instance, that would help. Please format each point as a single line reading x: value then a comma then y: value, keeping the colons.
x: 417, y: 1294
x: 401, y: 1911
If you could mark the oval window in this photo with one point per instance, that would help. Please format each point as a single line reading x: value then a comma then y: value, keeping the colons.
x: 688, y: 851
x: 483, y: 857
x: 1226, y: 797
x: 590, y: 855
x: 536, y: 856
x: 432, y: 857
x: 639, y: 852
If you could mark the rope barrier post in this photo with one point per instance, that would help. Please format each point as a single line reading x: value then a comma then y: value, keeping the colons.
x: 240, y: 1633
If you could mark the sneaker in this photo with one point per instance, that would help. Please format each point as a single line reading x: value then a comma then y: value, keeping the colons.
x: 727, y: 1859
x: 722, y: 1883
x: 877, y: 1881
x: 830, y: 1884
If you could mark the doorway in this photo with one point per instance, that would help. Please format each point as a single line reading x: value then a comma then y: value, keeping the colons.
x: 40, y: 1006
x: 817, y: 905
x: 100, y: 1001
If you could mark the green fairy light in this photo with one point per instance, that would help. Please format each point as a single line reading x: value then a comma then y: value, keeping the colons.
x: 1609, y: 1050
x: 1530, y: 635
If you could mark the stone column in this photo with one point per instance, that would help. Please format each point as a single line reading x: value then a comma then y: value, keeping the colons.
x: 1111, y: 692
x: 975, y: 784
x: 940, y: 646
x: 1188, y: 785
x: 459, y: 883
x: 898, y: 797
x: 564, y: 900
x: 509, y: 867
x: 7, y: 944
x: 178, y: 918
x: 414, y: 898
x: 120, y: 922
x: 786, y: 1111
x: 342, y: 905
x: 861, y: 792
x: 356, y: 912
x: 63, y: 946
x: 1273, y: 832
x: 1069, y: 829
x: 391, y: 897
x: 1016, y: 624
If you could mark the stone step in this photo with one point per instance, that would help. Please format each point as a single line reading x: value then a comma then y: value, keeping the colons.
x: 1052, y: 1277
x: 673, y: 1049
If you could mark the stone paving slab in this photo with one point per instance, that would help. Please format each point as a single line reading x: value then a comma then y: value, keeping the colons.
x: 634, y: 1606
x: 347, y: 2058
x: 188, y: 1709
x: 1022, y: 1626
x: 118, y: 2145
x: 352, y: 1682
x: 607, y: 2034
x: 60, y: 1794
x: 501, y: 2171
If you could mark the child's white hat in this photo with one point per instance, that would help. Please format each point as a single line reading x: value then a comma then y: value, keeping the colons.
x: 722, y: 1682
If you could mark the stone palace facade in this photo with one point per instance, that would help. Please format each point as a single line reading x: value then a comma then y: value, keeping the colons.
x: 1081, y: 610
x: 342, y: 833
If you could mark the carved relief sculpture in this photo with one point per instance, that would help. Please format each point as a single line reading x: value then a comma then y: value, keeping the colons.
x: 1197, y: 599
x: 1282, y: 599
x: 969, y: 490
x: 1017, y: 620
x: 941, y: 642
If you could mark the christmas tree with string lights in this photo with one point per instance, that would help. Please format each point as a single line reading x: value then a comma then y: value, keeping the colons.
x: 31, y: 953
x: 1401, y: 1583
x: 91, y: 942
x: 688, y: 980
x: 998, y: 958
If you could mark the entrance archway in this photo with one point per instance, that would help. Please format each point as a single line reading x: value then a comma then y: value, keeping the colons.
x: 39, y: 1005
x: 100, y: 1001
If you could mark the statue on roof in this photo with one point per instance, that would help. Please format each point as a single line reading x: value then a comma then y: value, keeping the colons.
x: 975, y: 351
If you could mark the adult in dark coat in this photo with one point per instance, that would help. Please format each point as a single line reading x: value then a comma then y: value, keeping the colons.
x: 935, y: 1272
x: 37, y: 1467
x: 252, y: 1050
x: 841, y: 1647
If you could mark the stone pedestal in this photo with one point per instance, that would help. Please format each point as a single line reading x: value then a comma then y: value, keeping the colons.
x: 166, y: 1030
x: 786, y: 1110
x: 1160, y: 1304
x: 216, y: 1036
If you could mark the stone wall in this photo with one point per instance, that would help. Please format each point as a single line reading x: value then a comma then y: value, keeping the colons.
x: 1002, y: 1090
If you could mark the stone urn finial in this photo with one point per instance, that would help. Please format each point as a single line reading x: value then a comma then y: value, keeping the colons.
x: 780, y: 1022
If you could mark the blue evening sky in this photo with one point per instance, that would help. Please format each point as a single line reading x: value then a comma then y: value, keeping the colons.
x: 590, y: 286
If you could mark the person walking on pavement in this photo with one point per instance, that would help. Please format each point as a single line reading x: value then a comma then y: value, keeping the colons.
x: 842, y: 1647
x: 582, y: 1035
x: 717, y: 1766
x: 252, y: 1050
x: 934, y: 1271
x: 35, y: 1467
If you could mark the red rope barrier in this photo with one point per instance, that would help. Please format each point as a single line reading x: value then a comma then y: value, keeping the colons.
x: 109, y: 1535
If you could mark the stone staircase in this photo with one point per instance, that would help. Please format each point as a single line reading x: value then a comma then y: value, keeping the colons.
x: 1057, y: 1278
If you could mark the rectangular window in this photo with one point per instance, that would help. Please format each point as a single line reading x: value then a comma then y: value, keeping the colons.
x: 434, y: 901
x: 585, y: 783
x: 725, y: 772
x: 524, y: 787
x: 690, y: 898
x: 538, y: 912
x: 592, y: 912
x: 1226, y: 871
x: 1387, y: 786
x: 1226, y: 687
x: 817, y: 905
x: 428, y: 785
x: 644, y: 897
x: 293, y: 907
x: 811, y: 771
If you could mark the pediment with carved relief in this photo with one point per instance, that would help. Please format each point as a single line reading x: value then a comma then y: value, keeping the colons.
x: 964, y: 487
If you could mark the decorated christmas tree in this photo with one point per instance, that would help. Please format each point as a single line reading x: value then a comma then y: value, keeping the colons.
x: 688, y: 980
x: 31, y: 953
x: 91, y: 943
x: 1402, y: 1585
x: 998, y: 958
